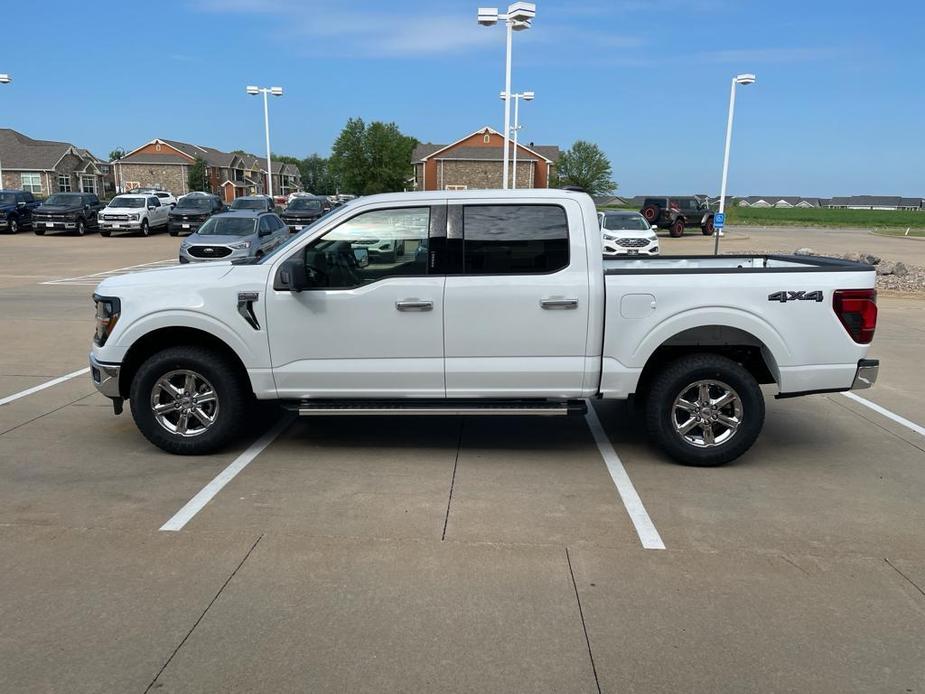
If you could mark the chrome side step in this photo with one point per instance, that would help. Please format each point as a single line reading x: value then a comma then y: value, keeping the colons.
x: 307, y: 408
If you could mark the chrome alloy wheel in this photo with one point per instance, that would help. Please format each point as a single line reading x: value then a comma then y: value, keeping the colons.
x: 184, y: 403
x: 707, y: 413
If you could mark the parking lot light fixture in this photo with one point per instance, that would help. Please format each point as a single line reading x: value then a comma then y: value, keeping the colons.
x: 4, y: 79
x: 744, y: 79
x: 519, y: 17
x: 517, y: 96
x: 275, y: 91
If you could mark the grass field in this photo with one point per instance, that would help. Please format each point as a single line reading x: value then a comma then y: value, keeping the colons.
x: 892, y: 221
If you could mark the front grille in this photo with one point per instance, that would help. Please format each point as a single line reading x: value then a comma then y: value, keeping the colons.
x: 115, y: 217
x: 192, y: 217
x: 632, y: 243
x: 209, y: 251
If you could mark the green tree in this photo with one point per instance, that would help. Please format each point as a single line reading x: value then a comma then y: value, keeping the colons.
x: 198, y: 176
x: 374, y: 158
x: 586, y: 166
x: 117, y: 153
x: 316, y: 175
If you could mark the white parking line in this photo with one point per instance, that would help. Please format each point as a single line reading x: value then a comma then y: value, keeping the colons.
x: 645, y: 528
x: 97, y: 277
x: 920, y: 430
x: 205, y: 495
x: 42, y: 386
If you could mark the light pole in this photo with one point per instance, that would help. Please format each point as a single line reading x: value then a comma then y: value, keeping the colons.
x: 275, y: 91
x: 517, y: 96
x: 743, y: 79
x: 518, y: 18
x: 4, y: 79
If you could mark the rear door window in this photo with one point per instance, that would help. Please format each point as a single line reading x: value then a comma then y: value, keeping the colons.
x: 514, y: 239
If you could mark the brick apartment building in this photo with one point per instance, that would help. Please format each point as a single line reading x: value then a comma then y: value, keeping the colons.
x: 43, y: 167
x: 166, y: 164
x: 477, y: 161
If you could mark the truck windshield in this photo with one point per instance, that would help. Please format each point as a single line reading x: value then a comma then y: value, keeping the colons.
x: 63, y: 200
x: 618, y: 222
x: 242, y: 204
x: 197, y: 203
x: 7, y: 198
x: 304, y: 204
x: 127, y: 202
x: 228, y: 226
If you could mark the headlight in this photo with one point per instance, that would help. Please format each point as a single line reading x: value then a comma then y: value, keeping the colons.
x: 610, y: 237
x: 108, y: 310
x: 241, y: 245
x: 134, y: 217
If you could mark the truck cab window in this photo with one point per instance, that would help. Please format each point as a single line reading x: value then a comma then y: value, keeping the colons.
x: 514, y: 239
x: 370, y: 247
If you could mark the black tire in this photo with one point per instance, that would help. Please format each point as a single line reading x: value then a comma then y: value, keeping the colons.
x: 708, y: 228
x: 651, y: 213
x: 105, y: 234
x: 145, y: 228
x: 173, y: 233
x: 37, y: 231
x: 13, y: 225
x: 683, y: 376
x: 230, y: 387
x: 81, y: 227
x: 676, y: 230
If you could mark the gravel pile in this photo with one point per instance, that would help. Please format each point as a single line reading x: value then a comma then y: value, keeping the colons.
x: 892, y: 275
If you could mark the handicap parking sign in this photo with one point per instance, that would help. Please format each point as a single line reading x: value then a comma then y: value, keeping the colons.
x: 719, y: 219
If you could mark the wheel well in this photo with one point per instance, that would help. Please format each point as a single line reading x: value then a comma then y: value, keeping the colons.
x: 156, y: 340
x: 733, y: 343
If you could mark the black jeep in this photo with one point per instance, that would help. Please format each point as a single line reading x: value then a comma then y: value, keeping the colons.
x: 676, y: 213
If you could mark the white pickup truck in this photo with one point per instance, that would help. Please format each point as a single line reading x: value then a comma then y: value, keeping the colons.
x: 496, y: 303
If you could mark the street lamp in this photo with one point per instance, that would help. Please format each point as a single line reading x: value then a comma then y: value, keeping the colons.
x: 275, y: 91
x: 518, y: 18
x: 517, y: 96
x: 4, y: 79
x: 743, y: 79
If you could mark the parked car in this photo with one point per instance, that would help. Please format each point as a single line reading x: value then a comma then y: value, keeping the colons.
x: 302, y: 211
x: 512, y: 310
x: 675, y: 214
x: 16, y: 208
x: 166, y: 198
x: 235, y: 235
x: 253, y: 202
x: 627, y: 233
x: 134, y: 212
x: 67, y: 212
x: 192, y: 211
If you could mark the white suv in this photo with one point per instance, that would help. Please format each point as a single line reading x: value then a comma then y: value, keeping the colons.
x: 625, y: 232
x: 133, y: 212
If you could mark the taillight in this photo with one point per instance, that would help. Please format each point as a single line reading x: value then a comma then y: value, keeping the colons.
x: 857, y: 311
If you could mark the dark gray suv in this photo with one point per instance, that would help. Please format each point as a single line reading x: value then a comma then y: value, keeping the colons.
x: 234, y: 235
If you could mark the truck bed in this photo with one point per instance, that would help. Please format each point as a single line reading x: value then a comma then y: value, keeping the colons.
x: 729, y: 263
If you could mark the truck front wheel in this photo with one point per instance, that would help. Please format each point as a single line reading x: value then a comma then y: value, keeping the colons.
x: 704, y: 410
x: 188, y: 400
x: 708, y: 228
x: 676, y: 230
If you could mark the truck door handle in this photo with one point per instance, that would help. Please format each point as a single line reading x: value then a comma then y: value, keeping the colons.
x: 552, y: 304
x: 414, y: 305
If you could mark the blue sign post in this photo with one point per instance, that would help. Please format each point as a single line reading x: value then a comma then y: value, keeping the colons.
x: 719, y: 220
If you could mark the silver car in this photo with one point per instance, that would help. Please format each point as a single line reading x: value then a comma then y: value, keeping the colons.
x: 234, y: 235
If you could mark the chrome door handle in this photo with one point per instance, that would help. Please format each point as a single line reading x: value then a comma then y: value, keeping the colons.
x: 414, y: 305
x: 557, y: 303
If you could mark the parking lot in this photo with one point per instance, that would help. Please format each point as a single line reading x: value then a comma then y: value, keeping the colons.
x: 443, y: 554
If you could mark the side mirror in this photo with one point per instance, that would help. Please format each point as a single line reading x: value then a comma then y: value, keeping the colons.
x: 150, y: 207
x: 654, y: 228
x: 20, y: 204
x: 293, y: 274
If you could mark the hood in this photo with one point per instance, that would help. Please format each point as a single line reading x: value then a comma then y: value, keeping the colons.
x: 629, y: 233
x: 161, y: 278
x: 215, y: 239
x: 124, y: 210
x: 189, y: 211
x: 7, y: 206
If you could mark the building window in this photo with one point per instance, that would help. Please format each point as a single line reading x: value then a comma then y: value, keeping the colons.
x: 452, y: 187
x: 88, y: 184
x: 514, y: 239
x: 31, y: 182
x: 486, y: 138
x: 64, y: 183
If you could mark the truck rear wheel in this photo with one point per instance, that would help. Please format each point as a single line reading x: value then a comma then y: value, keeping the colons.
x: 704, y: 410
x: 676, y: 230
x: 708, y: 228
x: 188, y: 400
x: 650, y: 212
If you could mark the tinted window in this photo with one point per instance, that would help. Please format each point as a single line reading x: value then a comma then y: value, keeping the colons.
x: 266, y: 224
x: 154, y: 202
x: 370, y: 247
x: 196, y: 203
x: 123, y: 201
x: 249, y: 204
x: 222, y: 225
x: 514, y: 239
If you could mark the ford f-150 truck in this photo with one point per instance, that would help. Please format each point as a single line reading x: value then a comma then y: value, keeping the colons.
x: 505, y: 307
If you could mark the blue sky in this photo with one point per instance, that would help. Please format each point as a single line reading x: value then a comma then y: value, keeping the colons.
x: 839, y: 107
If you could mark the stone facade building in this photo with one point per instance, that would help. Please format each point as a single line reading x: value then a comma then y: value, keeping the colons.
x: 166, y: 164
x: 43, y: 167
x: 477, y: 161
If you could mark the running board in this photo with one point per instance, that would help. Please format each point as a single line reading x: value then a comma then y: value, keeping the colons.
x: 307, y: 408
